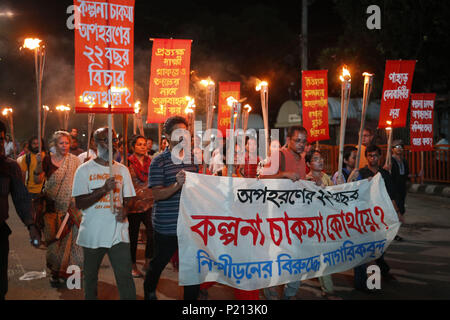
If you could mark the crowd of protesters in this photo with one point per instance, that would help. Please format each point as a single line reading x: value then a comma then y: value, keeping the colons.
x: 63, y: 196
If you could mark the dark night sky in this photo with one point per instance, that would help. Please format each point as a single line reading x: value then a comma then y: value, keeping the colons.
x: 237, y: 41
x: 232, y: 41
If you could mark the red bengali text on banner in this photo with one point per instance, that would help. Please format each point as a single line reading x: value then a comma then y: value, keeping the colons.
x: 421, y: 123
x: 396, y: 92
x: 104, y: 41
x: 226, y: 89
x: 315, y: 104
x: 169, y: 79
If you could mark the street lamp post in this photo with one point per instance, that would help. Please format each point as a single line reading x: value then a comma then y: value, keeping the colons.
x: 39, y: 62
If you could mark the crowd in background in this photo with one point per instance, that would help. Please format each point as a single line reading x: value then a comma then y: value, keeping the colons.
x: 151, y: 183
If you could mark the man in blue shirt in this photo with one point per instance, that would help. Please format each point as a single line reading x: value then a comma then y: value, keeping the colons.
x: 166, y: 178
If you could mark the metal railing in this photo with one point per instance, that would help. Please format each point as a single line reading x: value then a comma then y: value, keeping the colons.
x: 435, y: 164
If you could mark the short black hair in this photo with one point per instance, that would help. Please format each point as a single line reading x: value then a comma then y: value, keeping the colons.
x: 135, y: 139
x: 370, y: 130
x: 348, y: 151
x: 310, y: 154
x: 30, y: 141
x: 171, y: 122
x: 292, y: 129
x: 373, y: 148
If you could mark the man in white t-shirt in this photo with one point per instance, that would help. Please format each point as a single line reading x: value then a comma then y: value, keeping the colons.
x: 102, y: 231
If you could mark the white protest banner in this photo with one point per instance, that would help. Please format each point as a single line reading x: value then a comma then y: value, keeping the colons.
x: 251, y: 234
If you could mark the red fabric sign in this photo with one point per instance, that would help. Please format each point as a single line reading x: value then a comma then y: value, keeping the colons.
x: 396, y: 92
x: 315, y: 104
x: 104, y: 40
x: 421, y: 123
x: 226, y: 89
x: 169, y: 79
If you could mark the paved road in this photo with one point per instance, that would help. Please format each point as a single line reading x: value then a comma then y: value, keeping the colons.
x: 420, y: 263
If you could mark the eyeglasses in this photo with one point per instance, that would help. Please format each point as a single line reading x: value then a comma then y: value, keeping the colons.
x: 399, y: 147
x: 373, y: 155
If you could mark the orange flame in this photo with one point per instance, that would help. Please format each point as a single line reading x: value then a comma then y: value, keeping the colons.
x: 345, y: 76
x: 389, y: 123
x: 62, y: 108
x: 5, y: 111
x: 207, y: 82
x: 31, y: 43
x: 261, y: 84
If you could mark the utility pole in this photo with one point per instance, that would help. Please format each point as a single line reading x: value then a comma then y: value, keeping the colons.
x: 304, y: 35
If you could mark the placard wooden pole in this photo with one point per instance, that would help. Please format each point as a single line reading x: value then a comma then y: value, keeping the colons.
x: 110, y: 151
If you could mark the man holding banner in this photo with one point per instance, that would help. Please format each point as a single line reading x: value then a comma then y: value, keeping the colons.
x: 292, y: 166
x: 373, y: 155
x: 166, y: 179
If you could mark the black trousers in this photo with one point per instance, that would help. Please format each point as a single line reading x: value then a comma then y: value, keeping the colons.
x: 5, y: 231
x: 134, y: 223
x: 164, y: 248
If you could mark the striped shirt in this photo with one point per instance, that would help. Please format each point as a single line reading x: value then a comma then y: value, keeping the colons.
x: 163, y: 173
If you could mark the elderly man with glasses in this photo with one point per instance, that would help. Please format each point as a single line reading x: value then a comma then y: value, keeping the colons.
x: 104, y: 230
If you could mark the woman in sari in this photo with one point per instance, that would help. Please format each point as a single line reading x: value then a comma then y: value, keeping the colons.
x: 58, y: 170
x: 140, y: 207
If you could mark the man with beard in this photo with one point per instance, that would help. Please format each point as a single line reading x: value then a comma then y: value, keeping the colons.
x: 28, y: 164
x: 102, y: 230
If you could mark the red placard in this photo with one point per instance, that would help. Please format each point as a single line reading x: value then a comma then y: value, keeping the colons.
x: 226, y: 89
x: 169, y: 79
x: 396, y: 92
x: 104, y: 40
x: 421, y: 122
x: 315, y: 104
